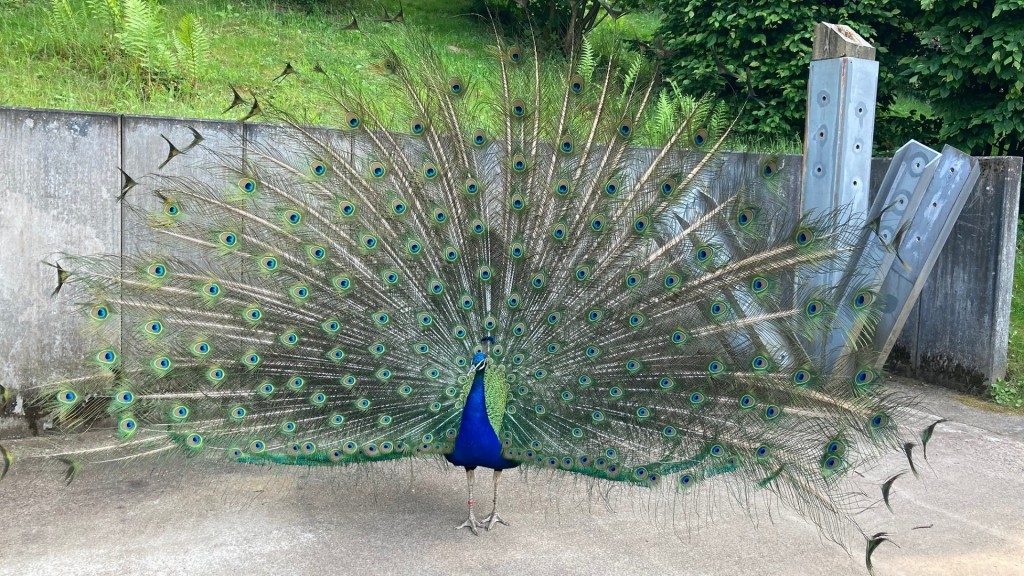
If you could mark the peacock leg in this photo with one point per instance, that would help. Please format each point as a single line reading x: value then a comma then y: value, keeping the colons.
x: 490, y: 520
x: 471, y: 522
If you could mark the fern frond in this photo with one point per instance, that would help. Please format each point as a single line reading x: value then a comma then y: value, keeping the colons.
x: 684, y: 102
x: 191, y: 47
x: 142, y: 37
x: 61, y: 22
x: 664, y: 113
x: 109, y: 10
x: 632, y: 73
x: 588, y: 61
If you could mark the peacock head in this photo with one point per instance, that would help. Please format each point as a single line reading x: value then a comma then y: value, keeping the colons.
x: 478, y: 358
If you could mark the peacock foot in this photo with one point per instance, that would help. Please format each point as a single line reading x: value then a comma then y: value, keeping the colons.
x: 472, y: 523
x: 493, y: 519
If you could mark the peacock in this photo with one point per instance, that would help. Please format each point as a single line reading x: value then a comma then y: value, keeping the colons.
x: 544, y: 264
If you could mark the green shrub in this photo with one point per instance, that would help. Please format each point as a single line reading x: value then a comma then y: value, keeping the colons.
x: 762, y: 49
x: 970, y: 69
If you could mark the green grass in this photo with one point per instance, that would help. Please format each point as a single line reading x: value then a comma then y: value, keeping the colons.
x: 1016, y: 358
x: 250, y: 43
x: 1010, y: 391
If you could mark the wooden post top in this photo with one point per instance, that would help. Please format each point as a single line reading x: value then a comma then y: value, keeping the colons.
x: 837, y: 41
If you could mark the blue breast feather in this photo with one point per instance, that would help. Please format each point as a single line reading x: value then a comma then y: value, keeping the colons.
x: 477, y: 444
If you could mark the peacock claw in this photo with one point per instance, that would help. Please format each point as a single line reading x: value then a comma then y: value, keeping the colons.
x: 493, y: 519
x: 472, y: 523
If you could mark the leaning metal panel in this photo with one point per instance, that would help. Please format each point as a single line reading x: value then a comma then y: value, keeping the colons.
x: 919, y: 248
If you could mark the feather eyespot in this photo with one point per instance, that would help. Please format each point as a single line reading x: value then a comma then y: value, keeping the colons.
x: 863, y: 299
x: 804, y: 237
x: 576, y: 84
x: 625, y: 128
x: 745, y: 217
x: 518, y: 108
x: 566, y: 144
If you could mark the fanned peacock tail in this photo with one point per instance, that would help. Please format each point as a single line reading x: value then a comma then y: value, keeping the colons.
x: 656, y: 314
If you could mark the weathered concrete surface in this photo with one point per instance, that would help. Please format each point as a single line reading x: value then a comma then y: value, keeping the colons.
x: 58, y: 190
x: 237, y: 519
x: 145, y: 150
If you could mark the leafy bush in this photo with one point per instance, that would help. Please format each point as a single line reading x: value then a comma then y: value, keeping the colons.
x: 961, y: 58
x: 905, y: 119
x: 762, y: 49
x: 970, y: 67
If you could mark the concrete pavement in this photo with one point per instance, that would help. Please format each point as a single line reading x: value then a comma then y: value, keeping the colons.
x: 397, y: 519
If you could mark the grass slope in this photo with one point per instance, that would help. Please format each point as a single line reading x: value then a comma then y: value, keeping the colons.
x: 250, y: 44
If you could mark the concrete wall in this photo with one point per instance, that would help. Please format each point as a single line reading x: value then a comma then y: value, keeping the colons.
x: 59, y: 183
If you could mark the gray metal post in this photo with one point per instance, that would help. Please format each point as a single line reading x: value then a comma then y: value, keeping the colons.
x: 837, y: 144
x: 840, y: 121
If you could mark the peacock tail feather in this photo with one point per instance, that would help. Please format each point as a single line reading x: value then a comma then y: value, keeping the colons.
x: 657, y: 314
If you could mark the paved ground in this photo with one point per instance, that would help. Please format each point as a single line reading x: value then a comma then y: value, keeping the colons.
x: 238, y: 519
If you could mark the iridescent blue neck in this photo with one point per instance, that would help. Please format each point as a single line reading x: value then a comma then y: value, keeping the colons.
x: 476, y: 443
